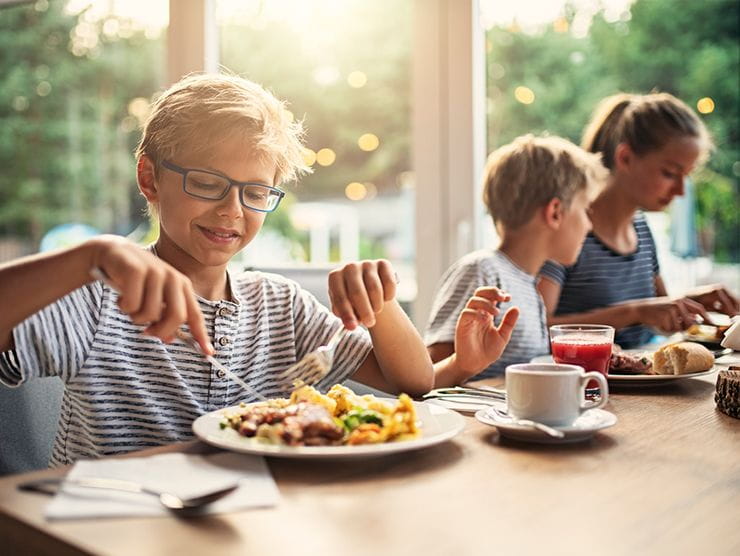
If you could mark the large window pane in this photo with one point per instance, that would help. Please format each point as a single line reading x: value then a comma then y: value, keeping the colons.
x: 549, y: 62
x: 76, y: 79
x: 344, y: 68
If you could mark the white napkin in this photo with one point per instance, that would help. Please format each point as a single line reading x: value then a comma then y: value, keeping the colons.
x: 184, y: 475
x: 732, y: 337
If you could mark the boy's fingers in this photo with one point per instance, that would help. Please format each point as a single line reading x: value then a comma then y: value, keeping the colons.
x: 482, y: 304
x: 388, y: 278
x: 340, y: 304
x: 151, y: 307
x: 492, y: 293
x: 373, y: 285
x: 506, y: 327
x: 197, y: 324
x: 357, y: 295
x: 131, y: 290
x: 173, y: 312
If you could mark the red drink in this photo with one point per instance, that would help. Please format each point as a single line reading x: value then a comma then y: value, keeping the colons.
x: 579, y: 351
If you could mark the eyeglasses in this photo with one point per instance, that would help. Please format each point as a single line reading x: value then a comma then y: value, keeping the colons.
x: 204, y: 184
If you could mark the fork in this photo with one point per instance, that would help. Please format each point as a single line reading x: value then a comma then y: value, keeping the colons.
x: 99, y: 274
x: 189, y: 340
x: 314, y: 365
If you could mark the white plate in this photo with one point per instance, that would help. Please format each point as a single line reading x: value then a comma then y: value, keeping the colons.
x: 437, y: 424
x: 636, y: 380
x: 582, y: 428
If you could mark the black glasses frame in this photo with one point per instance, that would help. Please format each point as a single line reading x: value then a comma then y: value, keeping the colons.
x: 232, y: 183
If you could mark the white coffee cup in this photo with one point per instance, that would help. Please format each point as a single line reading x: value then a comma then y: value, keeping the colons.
x: 551, y: 394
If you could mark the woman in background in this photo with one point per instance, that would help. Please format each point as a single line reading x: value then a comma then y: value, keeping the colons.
x: 650, y: 143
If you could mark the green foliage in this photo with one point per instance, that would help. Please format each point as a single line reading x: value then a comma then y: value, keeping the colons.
x: 66, y: 137
x: 717, y: 217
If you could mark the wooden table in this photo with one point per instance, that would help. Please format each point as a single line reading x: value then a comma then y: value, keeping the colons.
x: 664, y: 480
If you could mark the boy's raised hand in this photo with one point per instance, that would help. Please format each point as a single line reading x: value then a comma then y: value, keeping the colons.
x: 478, y: 341
x: 152, y: 292
x: 358, y: 291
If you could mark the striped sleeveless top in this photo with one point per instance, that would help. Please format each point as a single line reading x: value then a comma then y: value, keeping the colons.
x: 602, y: 277
x: 125, y: 391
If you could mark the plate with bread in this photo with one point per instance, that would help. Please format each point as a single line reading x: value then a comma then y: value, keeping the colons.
x: 668, y: 363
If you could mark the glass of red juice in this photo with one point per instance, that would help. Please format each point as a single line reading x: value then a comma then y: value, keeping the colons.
x: 586, y: 345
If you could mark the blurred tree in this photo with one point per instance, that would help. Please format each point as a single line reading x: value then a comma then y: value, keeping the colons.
x: 66, y: 134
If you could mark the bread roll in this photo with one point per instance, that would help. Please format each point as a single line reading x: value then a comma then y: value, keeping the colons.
x: 682, y: 358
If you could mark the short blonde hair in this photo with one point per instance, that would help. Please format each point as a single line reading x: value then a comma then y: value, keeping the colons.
x: 644, y: 122
x: 202, y: 110
x: 530, y: 171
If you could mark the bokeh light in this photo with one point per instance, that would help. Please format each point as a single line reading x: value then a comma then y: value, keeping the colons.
x: 705, y: 105
x: 525, y: 95
x: 326, y: 157
x: 368, y: 142
x: 355, y: 191
x: 357, y: 79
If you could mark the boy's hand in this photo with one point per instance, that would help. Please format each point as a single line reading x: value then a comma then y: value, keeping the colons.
x: 670, y: 315
x: 358, y: 291
x: 151, y: 291
x: 478, y: 342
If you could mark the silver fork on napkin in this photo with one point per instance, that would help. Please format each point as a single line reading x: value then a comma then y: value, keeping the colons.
x: 169, y: 500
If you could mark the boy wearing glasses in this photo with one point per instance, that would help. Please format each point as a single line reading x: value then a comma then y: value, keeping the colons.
x: 213, y: 152
x: 538, y: 191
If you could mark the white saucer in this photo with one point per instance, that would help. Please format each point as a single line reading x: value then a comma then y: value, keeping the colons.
x: 582, y: 428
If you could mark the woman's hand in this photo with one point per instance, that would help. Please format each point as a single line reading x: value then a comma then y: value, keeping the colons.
x: 716, y: 298
x: 478, y: 341
x: 670, y: 315
x: 358, y: 291
x: 152, y: 292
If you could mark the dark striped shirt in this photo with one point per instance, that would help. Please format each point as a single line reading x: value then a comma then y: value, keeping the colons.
x: 491, y: 268
x: 602, y: 277
x: 126, y: 391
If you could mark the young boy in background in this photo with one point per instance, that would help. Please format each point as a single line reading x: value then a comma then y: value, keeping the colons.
x: 537, y: 191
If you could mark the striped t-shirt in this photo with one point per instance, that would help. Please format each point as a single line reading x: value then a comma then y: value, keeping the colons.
x: 126, y: 391
x: 602, y: 277
x: 491, y: 268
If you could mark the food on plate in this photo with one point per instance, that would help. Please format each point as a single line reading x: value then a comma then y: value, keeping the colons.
x: 310, y: 418
x: 623, y: 363
x: 706, y: 333
x: 682, y: 358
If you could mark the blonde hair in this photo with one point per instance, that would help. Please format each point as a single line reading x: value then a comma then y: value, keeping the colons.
x: 530, y: 171
x: 200, y: 111
x: 645, y: 122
